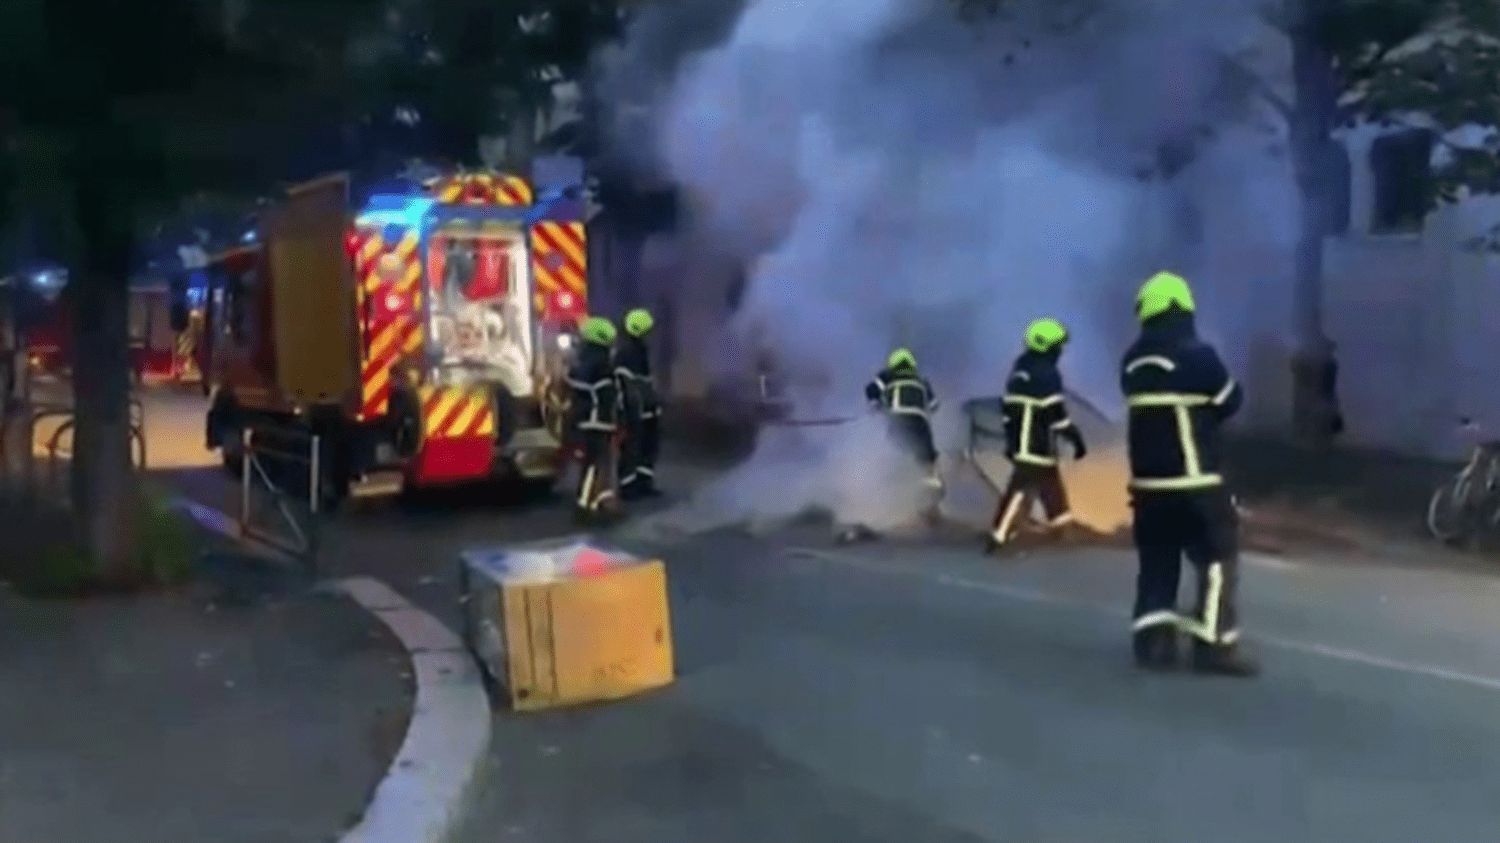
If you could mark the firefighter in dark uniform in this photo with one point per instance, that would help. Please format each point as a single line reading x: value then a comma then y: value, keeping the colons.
x: 593, y: 417
x: 907, y: 400
x: 1036, y: 416
x: 641, y: 408
x: 1178, y: 394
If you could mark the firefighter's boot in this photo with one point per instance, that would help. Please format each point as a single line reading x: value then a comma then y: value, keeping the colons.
x: 1223, y: 660
x: 1156, y: 648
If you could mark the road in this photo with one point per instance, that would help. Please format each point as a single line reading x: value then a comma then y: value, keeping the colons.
x: 913, y: 690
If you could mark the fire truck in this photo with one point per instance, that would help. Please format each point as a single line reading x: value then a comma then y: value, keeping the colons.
x: 38, y: 324
x: 419, y: 339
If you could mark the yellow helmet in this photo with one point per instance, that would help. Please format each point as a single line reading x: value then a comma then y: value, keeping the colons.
x: 1045, y: 334
x: 1161, y: 293
x: 598, y: 331
x: 638, y: 322
x: 901, y: 358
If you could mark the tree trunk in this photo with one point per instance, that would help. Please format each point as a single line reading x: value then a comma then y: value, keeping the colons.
x: 1313, y: 117
x: 104, y: 487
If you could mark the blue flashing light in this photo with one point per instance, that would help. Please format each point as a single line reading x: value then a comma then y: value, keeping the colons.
x: 48, y: 280
x: 385, y: 210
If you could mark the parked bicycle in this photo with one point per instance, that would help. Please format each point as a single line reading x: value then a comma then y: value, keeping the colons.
x: 1468, y: 506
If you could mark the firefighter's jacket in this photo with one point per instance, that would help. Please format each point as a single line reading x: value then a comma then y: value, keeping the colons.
x: 902, y: 393
x: 1178, y: 394
x: 638, y: 396
x: 595, y: 393
x: 1035, y: 412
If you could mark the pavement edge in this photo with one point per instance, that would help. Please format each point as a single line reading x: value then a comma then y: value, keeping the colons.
x: 424, y: 791
x: 428, y: 783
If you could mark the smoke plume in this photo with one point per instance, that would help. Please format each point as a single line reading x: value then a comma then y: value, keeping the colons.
x: 890, y: 175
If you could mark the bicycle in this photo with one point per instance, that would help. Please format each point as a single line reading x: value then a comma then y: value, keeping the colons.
x: 1469, y: 504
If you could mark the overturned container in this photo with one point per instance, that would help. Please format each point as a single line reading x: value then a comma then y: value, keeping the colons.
x: 565, y: 622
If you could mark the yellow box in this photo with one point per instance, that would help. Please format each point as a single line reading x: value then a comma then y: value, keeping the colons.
x: 553, y: 632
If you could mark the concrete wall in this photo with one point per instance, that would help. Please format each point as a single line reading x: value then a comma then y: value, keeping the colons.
x: 1417, y: 320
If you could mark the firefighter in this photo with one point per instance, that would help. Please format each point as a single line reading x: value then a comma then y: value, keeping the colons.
x: 907, y: 400
x: 1178, y: 394
x: 1036, y: 416
x: 641, y: 407
x: 594, y: 412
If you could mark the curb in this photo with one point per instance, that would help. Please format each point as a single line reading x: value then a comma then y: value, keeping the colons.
x: 423, y: 793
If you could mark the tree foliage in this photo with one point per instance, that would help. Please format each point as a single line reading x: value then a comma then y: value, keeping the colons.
x: 109, y: 112
x: 1433, y: 64
x: 467, y: 68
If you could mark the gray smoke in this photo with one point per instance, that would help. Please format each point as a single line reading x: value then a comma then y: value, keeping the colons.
x: 890, y: 175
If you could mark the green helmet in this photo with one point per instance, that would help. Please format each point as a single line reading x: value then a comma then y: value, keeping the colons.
x: 598, y: 331
x: 1161, y: 293
x: 638, y: 322
x: 901, y: 358
x: 1045, y: 334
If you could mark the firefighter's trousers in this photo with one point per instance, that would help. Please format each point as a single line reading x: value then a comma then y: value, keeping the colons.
x: 1204, y: 526
x: 1029, y: 483
x: 596, y: 476
x: 913, y: 434
x: 638, y: 453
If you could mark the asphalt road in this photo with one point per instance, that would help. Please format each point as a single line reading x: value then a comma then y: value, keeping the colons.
x: 914, y: 691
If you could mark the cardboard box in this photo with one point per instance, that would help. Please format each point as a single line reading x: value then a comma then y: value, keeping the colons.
x: 568, y: 622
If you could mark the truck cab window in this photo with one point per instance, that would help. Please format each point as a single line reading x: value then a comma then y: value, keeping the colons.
x: 479, y: 311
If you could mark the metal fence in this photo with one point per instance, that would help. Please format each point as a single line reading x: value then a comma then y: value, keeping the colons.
x: 30, y: 429
x: 281, y: 475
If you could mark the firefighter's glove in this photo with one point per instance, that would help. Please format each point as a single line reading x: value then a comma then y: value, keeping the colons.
x: 1075, y: 438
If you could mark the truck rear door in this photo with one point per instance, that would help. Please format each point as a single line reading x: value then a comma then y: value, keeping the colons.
x: 313, y: 303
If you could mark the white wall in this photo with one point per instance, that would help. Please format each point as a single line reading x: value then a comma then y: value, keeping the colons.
x: 1417, y: 321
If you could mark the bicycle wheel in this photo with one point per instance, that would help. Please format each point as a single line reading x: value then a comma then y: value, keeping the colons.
x: 1447, y: 515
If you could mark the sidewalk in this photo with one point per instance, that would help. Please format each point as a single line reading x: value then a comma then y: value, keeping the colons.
x: 242, y: 709
x: 1348, y: 498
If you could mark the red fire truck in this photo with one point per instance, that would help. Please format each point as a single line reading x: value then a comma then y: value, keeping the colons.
x: 416, y: 339
x: 38, y: 316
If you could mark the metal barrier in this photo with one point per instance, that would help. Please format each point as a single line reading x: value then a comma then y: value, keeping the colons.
x: 281, y: 490
x: 68, y: 427
x: 28, y: 416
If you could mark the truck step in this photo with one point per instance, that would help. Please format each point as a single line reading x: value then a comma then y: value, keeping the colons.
x: 377, y: 484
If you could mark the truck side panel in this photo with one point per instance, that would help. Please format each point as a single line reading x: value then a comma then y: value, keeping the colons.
x: 560, y: 265
x: 315, y: 332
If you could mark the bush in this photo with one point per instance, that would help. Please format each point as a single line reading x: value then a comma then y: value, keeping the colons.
x: 63, y: 570
x: 44, y: 559
x: 166, y: 544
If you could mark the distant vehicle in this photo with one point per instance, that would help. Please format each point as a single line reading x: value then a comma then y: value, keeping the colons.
x: 39, y: 325
x: 419, y: 339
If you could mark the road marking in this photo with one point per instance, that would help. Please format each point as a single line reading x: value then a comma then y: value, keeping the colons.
x: 1274, y: 563
x: 1029, y: 595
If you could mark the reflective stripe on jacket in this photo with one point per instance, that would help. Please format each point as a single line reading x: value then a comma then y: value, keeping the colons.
x: 638, y: 394
x: 595, y: 392
x: 902, y: 393
x: 1035, y: 411
x: 1178, y: 394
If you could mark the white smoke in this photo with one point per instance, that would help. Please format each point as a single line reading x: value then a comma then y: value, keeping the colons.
x: 892, y: 176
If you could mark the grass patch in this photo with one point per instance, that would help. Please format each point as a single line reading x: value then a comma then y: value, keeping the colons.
x: 42, y: 556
